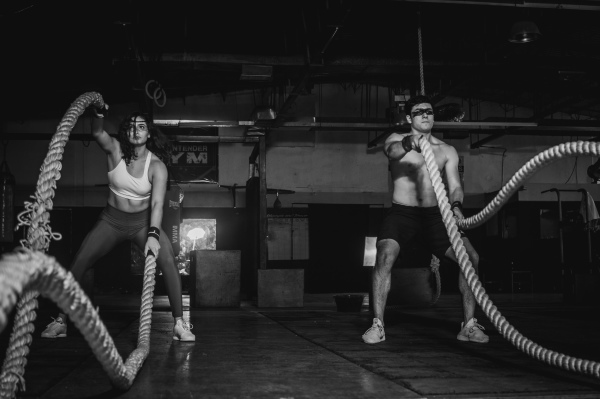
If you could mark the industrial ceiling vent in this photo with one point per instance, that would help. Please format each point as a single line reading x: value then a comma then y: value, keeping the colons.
x: 256, y: 72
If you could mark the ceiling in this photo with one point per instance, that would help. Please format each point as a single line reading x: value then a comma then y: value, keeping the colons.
x: 53, y: 52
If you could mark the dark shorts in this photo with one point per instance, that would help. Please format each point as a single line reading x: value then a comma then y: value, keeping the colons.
x: 124, y: 223
x: 403, y: 223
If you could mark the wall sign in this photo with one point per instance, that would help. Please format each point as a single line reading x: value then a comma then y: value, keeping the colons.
x: 192, y: 162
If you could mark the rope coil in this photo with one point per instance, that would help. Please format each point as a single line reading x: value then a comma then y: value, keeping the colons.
x: 500, y: 323
x: 27, y: 271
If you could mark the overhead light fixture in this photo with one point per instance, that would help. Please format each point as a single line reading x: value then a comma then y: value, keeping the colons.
x: 524, y: 32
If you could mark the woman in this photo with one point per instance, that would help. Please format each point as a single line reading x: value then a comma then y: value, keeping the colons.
x: 137, y: 180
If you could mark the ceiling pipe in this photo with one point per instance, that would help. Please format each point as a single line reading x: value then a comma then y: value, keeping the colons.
x: 337, y: 28
x: 381, y: 123
x: 178, y: 138
x: 577, y: 5
x: 297, y: 61
x: 549, y: 127
x: 492, y: 128
x: 485, y: 140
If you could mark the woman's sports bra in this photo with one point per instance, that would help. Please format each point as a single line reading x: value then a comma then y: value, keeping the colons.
x: 124, y: 185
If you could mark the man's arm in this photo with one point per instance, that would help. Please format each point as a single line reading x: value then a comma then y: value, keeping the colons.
x: 159, y: 189
x: 455, y: 190
x: 398, y: 145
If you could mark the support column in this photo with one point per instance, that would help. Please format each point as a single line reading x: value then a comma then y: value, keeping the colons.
x: 262, y: 220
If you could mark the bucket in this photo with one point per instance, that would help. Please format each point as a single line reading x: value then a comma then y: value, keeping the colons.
x: 349, y: 302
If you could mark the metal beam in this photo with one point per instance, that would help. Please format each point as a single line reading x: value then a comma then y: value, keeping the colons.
x: 254, y: 155
x: 42, y: 136
x: 191, y: 57
x: 213, y: 139
x: 299, y: 61
x: 289, y: 101
x: 544, y: 127
x: 88, y: 137
x: 484, y: 140
x: 262, y: 219
x: 582, y: 92
x: 563, y: 5
x: 189, y: 123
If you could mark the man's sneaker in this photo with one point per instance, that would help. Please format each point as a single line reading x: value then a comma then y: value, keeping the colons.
x: 472, y: 332
x: 375, y: 334
x: 56, y: 329
x: 181, y: 331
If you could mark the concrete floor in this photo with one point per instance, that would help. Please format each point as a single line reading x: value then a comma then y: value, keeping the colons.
x: 317, y: 352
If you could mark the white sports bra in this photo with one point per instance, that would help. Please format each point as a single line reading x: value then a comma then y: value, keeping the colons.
x: 124, y: 185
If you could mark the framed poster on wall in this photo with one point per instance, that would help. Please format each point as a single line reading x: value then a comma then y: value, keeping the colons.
x: 193, y: 161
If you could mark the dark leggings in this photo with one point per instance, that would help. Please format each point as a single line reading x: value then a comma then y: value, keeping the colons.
x: 115, y: 226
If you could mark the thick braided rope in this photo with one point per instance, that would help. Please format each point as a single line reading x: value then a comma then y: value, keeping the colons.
x: 434, y: 266
x: 508, y: 331
x: 39, y: 234
x: 526, y: 171
x: 36, y: 217
x: 421, y: 72
x: 25, y: 269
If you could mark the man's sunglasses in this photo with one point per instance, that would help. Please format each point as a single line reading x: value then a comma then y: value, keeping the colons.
x: 422, y: 111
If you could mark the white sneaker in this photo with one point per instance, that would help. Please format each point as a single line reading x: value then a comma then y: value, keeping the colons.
x: 56, y: 329
x: 181, y: 331
x: 472, y: 332
x: 375, y: 334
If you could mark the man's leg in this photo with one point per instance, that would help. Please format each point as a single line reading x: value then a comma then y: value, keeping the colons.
x: 471, y: 331
x: 387, y: 252
x: 468, y: 298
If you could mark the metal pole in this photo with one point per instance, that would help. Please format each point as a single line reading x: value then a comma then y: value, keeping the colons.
x: 587, y: 219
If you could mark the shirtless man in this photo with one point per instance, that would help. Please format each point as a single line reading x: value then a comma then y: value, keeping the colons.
x: 415, y: 211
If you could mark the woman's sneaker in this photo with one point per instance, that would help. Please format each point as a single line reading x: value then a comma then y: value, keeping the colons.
x: 375, y: 334
x: 56, y: 329
x: 473, y: 332
x: 181, y: 331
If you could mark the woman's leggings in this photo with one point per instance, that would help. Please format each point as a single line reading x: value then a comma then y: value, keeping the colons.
x: 115, y: 226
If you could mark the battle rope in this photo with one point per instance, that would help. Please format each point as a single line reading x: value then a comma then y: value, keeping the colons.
x: 526, y: 171
x: 36, y: 217
x: 434, y: 266
x: 25, y: 269
x: 508, y: 331
x: 421, y: 73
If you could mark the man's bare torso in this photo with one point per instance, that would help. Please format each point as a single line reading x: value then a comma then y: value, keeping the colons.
x: 412, y: 185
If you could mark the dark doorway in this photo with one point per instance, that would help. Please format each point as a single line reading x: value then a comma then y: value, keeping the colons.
x: 337, y: 243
